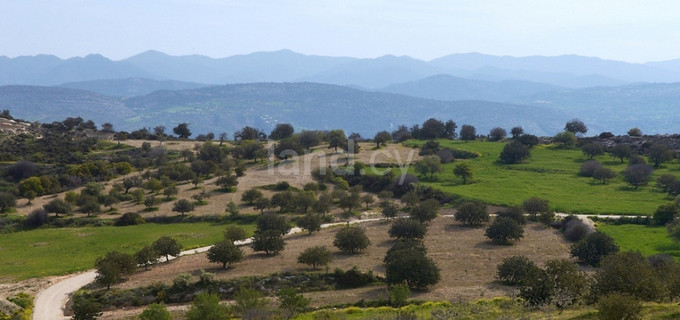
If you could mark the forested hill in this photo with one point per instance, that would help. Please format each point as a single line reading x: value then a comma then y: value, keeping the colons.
x: 305, y: 105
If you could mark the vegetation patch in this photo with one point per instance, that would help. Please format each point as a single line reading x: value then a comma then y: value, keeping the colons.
x: 649, y: 240
x: 550, y: 173
x: 65, y: 250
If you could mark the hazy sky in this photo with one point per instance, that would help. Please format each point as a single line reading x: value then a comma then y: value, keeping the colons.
x: 634, y: 31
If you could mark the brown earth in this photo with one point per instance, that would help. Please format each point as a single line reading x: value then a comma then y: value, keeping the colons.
x: 467, y: 260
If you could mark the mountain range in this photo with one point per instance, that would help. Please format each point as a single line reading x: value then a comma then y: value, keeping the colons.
x: 360, y: 95
x: 287, y: 66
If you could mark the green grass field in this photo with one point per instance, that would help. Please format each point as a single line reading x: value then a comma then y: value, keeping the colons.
x: 550, y: 173
x: 46, y: 252
x: 648, y: 240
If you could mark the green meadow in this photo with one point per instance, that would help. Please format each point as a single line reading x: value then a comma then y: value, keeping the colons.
x: 55, y: 251
x: 550, y: 173
x: 648, y: 240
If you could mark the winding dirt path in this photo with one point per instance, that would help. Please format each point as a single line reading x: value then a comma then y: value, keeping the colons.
x: 50, y: 303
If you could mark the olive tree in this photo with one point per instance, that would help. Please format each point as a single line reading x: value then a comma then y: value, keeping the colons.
x: 351, y: 240
x: 225, y: 252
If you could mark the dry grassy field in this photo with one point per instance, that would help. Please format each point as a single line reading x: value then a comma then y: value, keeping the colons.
x: 466, y: 258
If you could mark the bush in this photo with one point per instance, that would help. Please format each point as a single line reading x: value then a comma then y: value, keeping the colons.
x: 593, y: 248
x: 514, y: 152
x: 407, y: 229
x: 207, y: 307
x: 353, y: 278
x: 589, y: 167
x: 351, y: 240
x: 315, y: 256
x: 130, y: 219
x: 85, y: 308
x: 472, y: 214
x: 269, y: 241
x: 575, y: 230
x: 425, y: 211
x: 637, y: 175
x: 617, y: 306
x: 534, y: 206
x: 630, y: 273
x: 7, y: 201
x: 235, y: 233
x: 225, y: 252
x: 502, y: 230
x: 665, y: 213
x: 413, y: 268
x: 515, y: 270
x: 36, y: 218
x: 398, y: 295
x: 416, y: 245
x: 514, y: 213
x: 155, y: 311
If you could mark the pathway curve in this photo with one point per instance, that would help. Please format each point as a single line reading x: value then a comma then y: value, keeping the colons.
x: 50, y: 302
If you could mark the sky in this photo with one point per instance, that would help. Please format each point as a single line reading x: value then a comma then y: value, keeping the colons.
x: 626, y: 30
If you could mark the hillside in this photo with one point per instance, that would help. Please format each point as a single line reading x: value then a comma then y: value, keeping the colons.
x: 448, y: 88
x: 305, y: 105
x: 130, y: 87
x: 47, y: 104
x: 650, y: 107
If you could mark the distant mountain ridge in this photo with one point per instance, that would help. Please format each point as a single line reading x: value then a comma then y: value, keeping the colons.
x: 288, y: 66
x: 651, y: 107
x: 130, y: 87
x: 305, y: 105
x: 448, y: 88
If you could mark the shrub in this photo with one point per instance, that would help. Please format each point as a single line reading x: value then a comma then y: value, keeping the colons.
x: 166, y: 246
x: 576, y: 230
x: 353, y: 278
x: 630, y: 273
x: 351, y: 240
x: 225, y: 252
x: 502, y: 230
x: 407, y: 229
x: 310, y: 222
x: 637, y: 175
x: 618, y: 306
x: 603, y: 174
x: 7, y: 201
x: 235, y: 233
x: 416, y: 245
x: 514, y: 213
x: 85, y: 308
x: 399, y: 294
x: 413, y: 268
x: 534, y: 206
x: 514, y: 152
x: 589, y: 167
x: 269, y: 241
x: 315, y: 256
x: 155, y: 311
x: 36, y: 218
x: 425, y: 211
x: 207, y: 307
x: 515, y: 270
x: 130, y: 219
x: 665, y: 213
x: 472, y: 214
x: 593, y: 248
x: 592, y: 149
